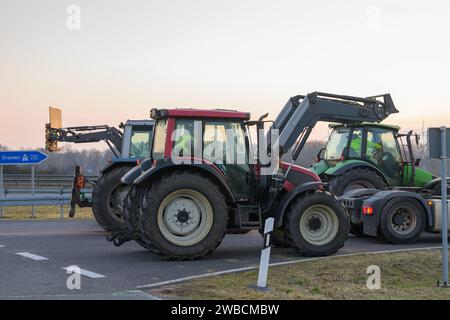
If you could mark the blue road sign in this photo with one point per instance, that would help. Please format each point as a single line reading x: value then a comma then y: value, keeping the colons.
x: 21, y: 157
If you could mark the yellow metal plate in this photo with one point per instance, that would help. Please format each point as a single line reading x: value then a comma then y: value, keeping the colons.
x: 55, y: 118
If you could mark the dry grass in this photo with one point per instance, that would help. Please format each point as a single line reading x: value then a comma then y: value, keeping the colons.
x: 408, y: 275
x: 44, y: 212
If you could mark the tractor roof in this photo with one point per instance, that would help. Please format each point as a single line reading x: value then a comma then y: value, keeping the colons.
x: 139, y: 123
x: 368, y: 124
x: 199, y: 113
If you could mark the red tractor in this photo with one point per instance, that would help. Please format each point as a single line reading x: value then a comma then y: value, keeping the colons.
x: 184, y: 198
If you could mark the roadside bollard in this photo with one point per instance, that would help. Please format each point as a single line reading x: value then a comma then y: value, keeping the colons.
x: 61, y: 207
x: 265, y: 256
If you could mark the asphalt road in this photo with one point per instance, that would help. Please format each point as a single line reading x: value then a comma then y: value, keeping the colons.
x: 34, y: 253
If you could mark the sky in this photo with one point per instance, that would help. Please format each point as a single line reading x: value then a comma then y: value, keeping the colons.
x: 250, y: 55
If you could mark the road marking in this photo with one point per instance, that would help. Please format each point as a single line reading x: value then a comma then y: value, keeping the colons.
x: 218, y: 273
x: 251, y: 268
x: 2, y: 246
x: 31, y: 256
x: 134, y: 295
x: 87, y: 273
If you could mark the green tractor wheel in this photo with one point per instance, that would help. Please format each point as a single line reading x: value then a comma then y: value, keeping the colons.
x: 358, y: 178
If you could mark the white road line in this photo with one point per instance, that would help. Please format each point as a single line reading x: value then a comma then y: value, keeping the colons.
x: 31, y: 256
x: 2, y: 246
x: 210, y: 274
x: 87, y: 273
x: 243, y: 269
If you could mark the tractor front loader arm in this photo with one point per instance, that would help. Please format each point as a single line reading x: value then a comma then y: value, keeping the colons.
x: 86, y: 134
x: 54, y: 133
x: 301, y: 113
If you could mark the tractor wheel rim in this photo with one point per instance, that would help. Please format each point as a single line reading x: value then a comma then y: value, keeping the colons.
x: 319, y: 224
x: 185, y: 217
x: 403, y: 220
x: 117, y: 201
x: 360, y: 184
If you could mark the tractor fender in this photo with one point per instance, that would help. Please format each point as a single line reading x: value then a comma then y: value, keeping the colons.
x: 379, y: 200
x: 118, y: 163
x: 134, y: 173
x: 163, y: 167
x: 288, y: 197
x: 347, y: 165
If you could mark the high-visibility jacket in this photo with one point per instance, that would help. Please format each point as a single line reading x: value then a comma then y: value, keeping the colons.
x: 371, y: 146
x: 185, y: 144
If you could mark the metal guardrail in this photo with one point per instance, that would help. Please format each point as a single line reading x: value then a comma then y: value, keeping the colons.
x: 35, y: 201
x: 13, y: 197
x: 41, y: 178
x: 60, y: 191
x: 41, y: 197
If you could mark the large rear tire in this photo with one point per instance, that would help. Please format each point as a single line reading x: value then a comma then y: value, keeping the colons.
x: 108, y: 199
x: 358, y: 178
x: 316, y: 224
x: 402, y: 221
x: 184, y: 216
x: 132, y: 213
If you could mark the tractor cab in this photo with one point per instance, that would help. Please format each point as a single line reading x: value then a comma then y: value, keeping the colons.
x: 379, y: 148
x: 214, y: 137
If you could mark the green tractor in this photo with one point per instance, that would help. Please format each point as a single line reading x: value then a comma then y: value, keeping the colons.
x: 372, y: 156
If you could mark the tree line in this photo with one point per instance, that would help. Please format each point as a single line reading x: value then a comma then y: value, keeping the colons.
x: 93, y: 160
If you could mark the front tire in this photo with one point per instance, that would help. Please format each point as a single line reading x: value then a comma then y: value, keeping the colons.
x: 108, y: 199
x: 184, y: 216
x: 402, y: 221
x: 277, y: 238
x: 316, y: 224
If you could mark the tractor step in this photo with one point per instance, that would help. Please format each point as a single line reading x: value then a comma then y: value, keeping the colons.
x: 249, y: 216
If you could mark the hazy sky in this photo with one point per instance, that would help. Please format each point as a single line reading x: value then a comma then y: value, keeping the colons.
x: 130, y: 56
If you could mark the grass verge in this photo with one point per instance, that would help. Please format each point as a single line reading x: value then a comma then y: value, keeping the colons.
x: 44, y: 212
x: 406, y: 275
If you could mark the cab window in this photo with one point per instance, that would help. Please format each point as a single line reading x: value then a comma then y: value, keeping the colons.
x: 159, y: 140
x: 184, y: 137
x: 140, y: 142
x: 224, y: 142
x: 337, y: 143
x: 356, y: 144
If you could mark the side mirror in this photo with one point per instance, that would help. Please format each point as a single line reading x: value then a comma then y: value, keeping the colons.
x: 263, y: 117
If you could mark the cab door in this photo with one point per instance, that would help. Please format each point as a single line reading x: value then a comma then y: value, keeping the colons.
x: 382, y: 149
x: 224, y: 144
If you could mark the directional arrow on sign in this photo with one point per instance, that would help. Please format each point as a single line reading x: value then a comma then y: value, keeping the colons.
x: 22, y: 157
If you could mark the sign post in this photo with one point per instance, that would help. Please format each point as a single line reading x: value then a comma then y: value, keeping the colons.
x: 2, y: 194
x: 33, y: 209
x: 18, y: 158
x: 444, y: 206
x: 438, y: 139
